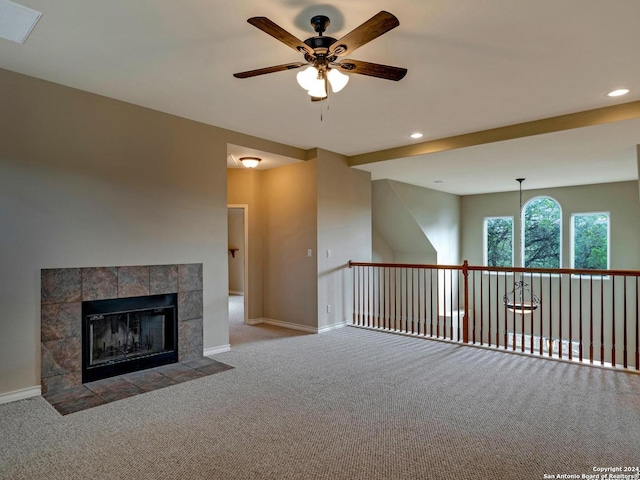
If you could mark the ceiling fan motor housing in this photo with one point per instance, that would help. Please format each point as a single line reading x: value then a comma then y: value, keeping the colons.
x: 320, y: 45
x: 320, y: 23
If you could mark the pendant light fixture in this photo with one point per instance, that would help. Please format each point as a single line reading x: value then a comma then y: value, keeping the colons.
x: 521, y: 300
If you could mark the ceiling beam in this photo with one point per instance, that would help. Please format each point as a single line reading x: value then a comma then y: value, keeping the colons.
x: 588, y: 118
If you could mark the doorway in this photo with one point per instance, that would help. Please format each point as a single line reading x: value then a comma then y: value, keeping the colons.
x: 238, y: 242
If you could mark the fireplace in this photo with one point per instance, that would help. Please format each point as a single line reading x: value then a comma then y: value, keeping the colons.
x: 128, y: 334
x: 68, y: 295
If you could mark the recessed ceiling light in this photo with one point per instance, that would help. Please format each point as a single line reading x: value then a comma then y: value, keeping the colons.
x: 416, y: 135
x: 618, y: 93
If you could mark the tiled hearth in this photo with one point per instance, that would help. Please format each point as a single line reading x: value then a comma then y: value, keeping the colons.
x: 64, y: 289
x: 82, y: 397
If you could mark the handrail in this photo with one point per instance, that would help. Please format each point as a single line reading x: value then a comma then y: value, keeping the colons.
x: 568, y: 271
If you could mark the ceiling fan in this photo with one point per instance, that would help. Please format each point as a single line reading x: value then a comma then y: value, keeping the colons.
x: 321, y: 54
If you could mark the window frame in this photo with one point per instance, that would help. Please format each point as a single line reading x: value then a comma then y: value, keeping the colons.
x: 573, y: 238
x: 485, y: 242
x: 523, y: 240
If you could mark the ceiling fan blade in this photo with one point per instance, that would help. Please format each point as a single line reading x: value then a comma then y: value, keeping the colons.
x: 275, y: 68
x: 374, y: 27
x: 279, y: 33
x: 372, y: 69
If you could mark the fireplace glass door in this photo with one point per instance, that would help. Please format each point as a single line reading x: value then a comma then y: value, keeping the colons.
x: 125, y: 335
x: 121, y: 336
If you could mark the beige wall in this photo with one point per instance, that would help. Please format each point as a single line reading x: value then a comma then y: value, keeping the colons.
x: 318, y: 205
x: 344, y: 230
x: 420, y: 225
x: 381, y: 251
x: 90, y: 181
x: 236, y: 242
x: 620, y: 199
x: 244, y: 187
x: 289, y: 194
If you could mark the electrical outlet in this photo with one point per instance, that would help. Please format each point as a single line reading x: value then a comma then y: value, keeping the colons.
x: 328, y: 308
x: 328, y: 253
x: 309, y: 253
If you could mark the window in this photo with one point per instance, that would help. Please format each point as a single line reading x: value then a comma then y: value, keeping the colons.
x: 498, y: 237
x: 542, y: 233
x: 590, y: 241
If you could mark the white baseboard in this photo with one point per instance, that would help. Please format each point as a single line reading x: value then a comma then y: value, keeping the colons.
x: 214, y: 350
x: 304, y: 328
x: 292, y: 326
x: 328, y: 328
x: 20, y: 394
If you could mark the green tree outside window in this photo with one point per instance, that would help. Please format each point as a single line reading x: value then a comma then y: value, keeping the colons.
x: 591, y: 241
x: 542, y: 240
x: 499, y: 241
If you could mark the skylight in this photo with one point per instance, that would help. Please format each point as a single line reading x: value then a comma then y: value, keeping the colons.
x: 16, y: 21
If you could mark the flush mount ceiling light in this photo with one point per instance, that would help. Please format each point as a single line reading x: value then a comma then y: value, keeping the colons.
x: 250, y: 162
x: 618, y: 93
x: 321, y: 54
x: 416, y: 135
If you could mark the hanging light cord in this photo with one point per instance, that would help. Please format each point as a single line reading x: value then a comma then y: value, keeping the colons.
x: 520, y: 180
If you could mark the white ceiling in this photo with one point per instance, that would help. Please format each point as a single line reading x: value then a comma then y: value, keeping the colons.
x: 473, y: 65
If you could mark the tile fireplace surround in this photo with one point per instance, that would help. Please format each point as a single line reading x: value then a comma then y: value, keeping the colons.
x: 64, y: 289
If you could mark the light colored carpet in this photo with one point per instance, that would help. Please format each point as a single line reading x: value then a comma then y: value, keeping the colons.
x: 348, y: 404
x: 240, y: 333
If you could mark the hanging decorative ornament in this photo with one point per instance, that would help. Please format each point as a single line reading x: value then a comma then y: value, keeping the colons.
x: 521, y: 300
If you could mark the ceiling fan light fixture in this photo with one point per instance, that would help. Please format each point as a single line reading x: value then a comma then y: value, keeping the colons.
x: 250, y: 162
x: 337, y: 79
x: 306, y: 77
x: 318, y: 89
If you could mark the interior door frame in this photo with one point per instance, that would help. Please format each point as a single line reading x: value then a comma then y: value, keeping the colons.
x: 245, y: 220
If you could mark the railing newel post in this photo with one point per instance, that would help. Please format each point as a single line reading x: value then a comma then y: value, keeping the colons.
x: 465, y: 318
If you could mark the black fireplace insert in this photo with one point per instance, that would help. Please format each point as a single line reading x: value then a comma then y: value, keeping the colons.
x: 128, y: 334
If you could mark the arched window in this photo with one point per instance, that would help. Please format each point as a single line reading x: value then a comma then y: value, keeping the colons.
x: 542, y: 233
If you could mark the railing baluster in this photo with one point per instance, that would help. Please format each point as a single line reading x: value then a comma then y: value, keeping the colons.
x: 489, y: 308
x: 602, y: 322
x: 560, y: 315
x: 506, y: 315
x: 353, y: 293
x: 481, y: 310
x: 450, y: 304
x: 438, y: 304
x: 570, y: 348
x: 359, y: 272
x: 591, y: 318
x: 613, y: 321
x: 624, y: 325
x: 580, y: 320
x: 413, y: 318
x: 637, y: 330
x: 431, y: 304
x: 368, y: 296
